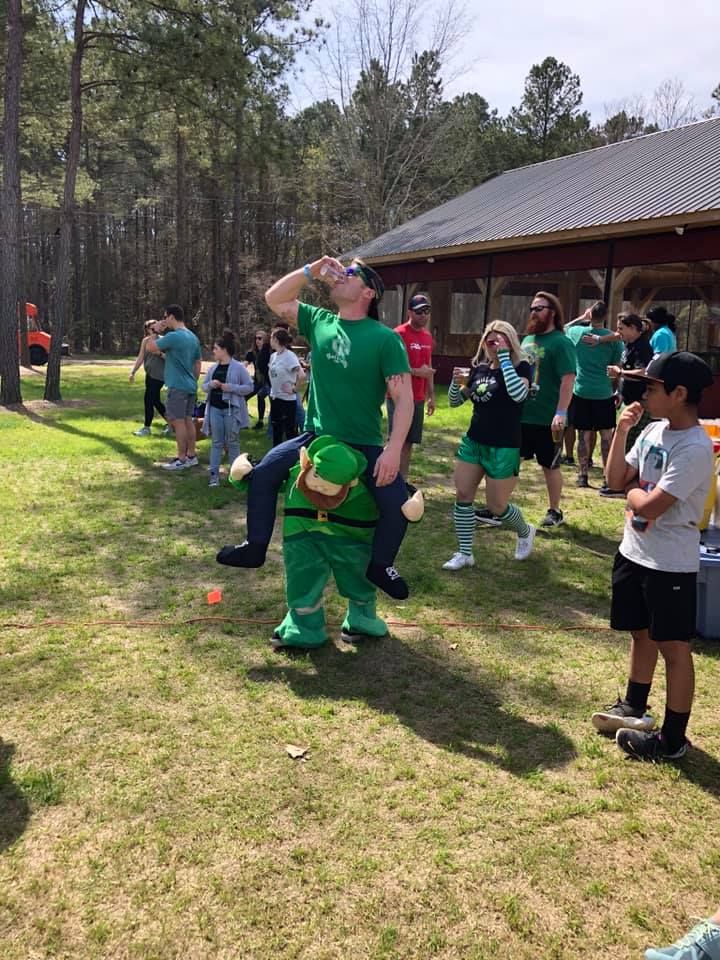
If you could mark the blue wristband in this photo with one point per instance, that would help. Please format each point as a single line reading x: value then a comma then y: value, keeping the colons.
x: 308, y: 272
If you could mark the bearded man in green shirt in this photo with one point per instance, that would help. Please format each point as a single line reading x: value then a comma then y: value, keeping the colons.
x: 544, y: 415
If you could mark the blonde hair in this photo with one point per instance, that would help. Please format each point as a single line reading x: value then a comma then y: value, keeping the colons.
x: 510, y: 334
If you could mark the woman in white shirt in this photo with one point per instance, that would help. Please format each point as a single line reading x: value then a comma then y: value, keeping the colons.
x: 285, y: 376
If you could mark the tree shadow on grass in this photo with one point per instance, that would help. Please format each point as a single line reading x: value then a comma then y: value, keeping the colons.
x: 14, y: 810
x: 442, y: 705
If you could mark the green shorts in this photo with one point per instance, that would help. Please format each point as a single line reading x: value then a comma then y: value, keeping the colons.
x: 499, y: 463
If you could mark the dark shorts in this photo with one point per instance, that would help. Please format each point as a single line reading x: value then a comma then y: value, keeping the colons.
x: 663, y: 603
x: 416, y: 427
x: 591, y: 414
x: 537, y: 442
x: 179, y: 405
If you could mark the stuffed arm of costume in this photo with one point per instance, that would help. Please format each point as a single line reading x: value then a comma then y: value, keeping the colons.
x: 516, y: 386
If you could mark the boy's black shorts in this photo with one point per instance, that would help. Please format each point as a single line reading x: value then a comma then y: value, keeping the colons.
x: 663, y: 603
x: 536, y: 441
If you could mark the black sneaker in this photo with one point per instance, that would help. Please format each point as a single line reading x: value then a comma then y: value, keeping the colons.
x: 553, y: 518
x: 620, y: 715
x: 648, y: 746
x: 567, y: 461
x: 487, y: 517
x: 244, y: 554
x: 606, y: 491
x: 582, y: 480
x: 259, y: 425
x: 389, y: 581
x: 350, y: 636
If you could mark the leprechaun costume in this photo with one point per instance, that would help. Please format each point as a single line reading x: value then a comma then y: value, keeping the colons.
x: 328, y: 526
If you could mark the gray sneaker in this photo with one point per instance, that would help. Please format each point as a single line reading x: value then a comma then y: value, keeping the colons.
x: 553, y: 518
x: 142, y: 432
x: 214, y: 480
x: 192, y: 462
x: 621, y: 716
x: 175, y: 465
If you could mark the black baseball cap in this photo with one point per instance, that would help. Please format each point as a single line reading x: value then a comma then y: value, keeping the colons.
x: 680, y: 369
x: 418, y: 302
x: 371, y: 278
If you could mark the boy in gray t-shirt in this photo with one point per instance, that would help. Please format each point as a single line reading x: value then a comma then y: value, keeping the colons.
x: 666, y: 475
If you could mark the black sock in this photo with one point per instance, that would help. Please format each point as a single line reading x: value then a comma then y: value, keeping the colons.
x: 637, y: 695
x: 674, y: 727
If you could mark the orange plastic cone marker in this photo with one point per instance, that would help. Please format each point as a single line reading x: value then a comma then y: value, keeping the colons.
x: 215, y: 596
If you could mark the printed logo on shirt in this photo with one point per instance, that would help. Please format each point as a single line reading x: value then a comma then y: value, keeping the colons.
x: 340, y: 350
x: 484, y: 389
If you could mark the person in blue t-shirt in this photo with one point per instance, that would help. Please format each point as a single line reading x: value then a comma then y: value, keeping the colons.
x: 182, y: 369
x: 663, y: 338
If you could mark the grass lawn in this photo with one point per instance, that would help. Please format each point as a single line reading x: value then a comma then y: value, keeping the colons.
x: 455, y: 803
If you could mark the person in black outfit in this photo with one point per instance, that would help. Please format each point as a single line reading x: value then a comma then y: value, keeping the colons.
x: 636, y: 356
x: 259, y: 357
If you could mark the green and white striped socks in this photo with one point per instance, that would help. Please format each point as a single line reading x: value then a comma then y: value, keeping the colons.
x: 464, y: 520
x: 513, y: 519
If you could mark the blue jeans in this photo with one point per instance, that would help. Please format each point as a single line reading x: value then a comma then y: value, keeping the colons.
x: 268, y: 476
x: 224, y: 432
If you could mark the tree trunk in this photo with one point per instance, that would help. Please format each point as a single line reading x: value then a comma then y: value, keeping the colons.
x: 12, y: 296
x: 236, y: 228
x: 181, y: 253
x: 62, y: 271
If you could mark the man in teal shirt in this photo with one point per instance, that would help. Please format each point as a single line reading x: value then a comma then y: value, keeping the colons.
x: 182, y: 368
x: 593, y: 403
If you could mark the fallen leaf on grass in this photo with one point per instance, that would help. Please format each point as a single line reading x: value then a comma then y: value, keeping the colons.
x: 297, y: 753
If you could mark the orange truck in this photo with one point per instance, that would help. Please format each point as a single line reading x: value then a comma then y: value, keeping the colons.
x: 38, y: 341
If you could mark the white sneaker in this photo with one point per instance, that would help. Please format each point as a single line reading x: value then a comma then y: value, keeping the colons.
x: 192, y: 462
x: 175, y: 465
x: 459, y: 560
x: 142, y: 432
x: 525, y: 544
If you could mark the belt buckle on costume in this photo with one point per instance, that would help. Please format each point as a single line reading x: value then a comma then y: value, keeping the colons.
x: 322, y: 516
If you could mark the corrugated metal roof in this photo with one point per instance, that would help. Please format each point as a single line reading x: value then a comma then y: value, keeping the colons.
x: 674, y: 172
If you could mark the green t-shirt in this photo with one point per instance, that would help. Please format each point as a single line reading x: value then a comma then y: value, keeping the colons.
x: 553, y: 357
x: 592, y: 381
x: 182, y: 351
x: 351, y: 361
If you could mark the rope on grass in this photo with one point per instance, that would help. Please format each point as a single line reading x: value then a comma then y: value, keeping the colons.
x: 407, y: 624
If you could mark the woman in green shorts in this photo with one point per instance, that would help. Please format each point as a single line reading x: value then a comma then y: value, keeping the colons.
x: 497, y: 386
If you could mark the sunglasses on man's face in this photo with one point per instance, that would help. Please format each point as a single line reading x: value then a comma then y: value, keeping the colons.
x: 355, y: 271
x: 421, y: 311
x: 538, y: 308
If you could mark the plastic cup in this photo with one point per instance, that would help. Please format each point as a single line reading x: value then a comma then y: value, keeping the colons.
x: 557, y: 434
x: 462, y: 375
x: 331, y: 273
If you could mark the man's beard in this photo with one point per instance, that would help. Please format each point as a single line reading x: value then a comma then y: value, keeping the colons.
x: 536, y: 324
